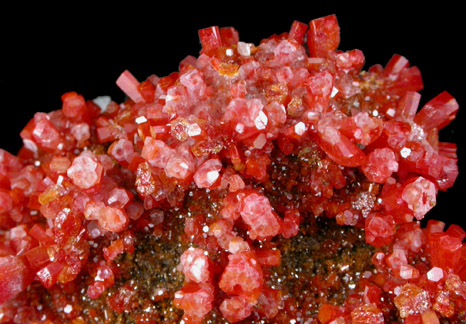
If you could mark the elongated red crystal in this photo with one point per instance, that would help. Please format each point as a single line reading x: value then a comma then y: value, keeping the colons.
x: 130, y: 85
x: 438, y: 112
x: 323, y: 36
x: 298, y: 31
x: 210, y: 38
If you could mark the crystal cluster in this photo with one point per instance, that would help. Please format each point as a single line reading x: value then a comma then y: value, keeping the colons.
x: 227, y: 164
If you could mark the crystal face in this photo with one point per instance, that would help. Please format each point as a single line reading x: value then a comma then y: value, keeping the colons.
x: 260, y: 183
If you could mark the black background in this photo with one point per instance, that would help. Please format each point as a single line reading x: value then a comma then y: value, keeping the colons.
x: 47, y: 51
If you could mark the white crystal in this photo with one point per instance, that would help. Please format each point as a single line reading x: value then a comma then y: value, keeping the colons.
x: 102, y: 102
x: 405, y: 152
x: 169, y: 97
x: 239, y: 128
x: 300, y: 128
x: 212, y: 176
x: 390, y: 112
x: 141, y: 120
x: 68, y: 309
x: 243, y: 49
x: 344, y: 267
x: 406, y: 272
x: 184, y: 165
x: 196, y: 269
x: 261, y: 121
x: 435, y: 274
x: 30, y: 145
x: 260, y: 141
x: 194, y: 130
x: 417, y: 133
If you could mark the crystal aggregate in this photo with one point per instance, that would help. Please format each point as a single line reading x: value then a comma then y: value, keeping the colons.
x: 221, y: 171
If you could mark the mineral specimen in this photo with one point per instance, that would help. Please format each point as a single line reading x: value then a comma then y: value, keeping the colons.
x: 269, y: 183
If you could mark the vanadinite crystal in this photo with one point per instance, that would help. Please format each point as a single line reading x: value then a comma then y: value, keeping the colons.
x: 269, y: 183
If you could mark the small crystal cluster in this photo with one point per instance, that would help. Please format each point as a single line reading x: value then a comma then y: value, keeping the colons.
x: 243, y: 147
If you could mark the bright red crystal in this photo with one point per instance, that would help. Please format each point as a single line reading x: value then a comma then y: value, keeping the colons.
x: 438, y: 112
x: 86, y: 171
x: 112, y: 219
x: 420, y: 196
x: 258, y: 214
x: 380, y: 165
x: 196, y: 300
x: 444, y: 250
x: 380, y: 229
x: 14, y: 277
x: 216, y: 194
x: 290, y: 224
x: 48, y: 275
x: 338, y: 147
x: 235, y: 308
x: 367, y: 314
x: 74, y: 106
x: 130, y: 85
x: 41, y: 133
x: 210, y: 38
x: 242, y: 276
x: 156, y: 152
x: 195, y: 265
x: 323, y: 36
x: 208, y: 173
x: 103, y: 279
x: 412, y: 300
x: 298, y: 31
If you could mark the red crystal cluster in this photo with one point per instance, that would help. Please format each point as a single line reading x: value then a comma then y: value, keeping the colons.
x: 90, y: 178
